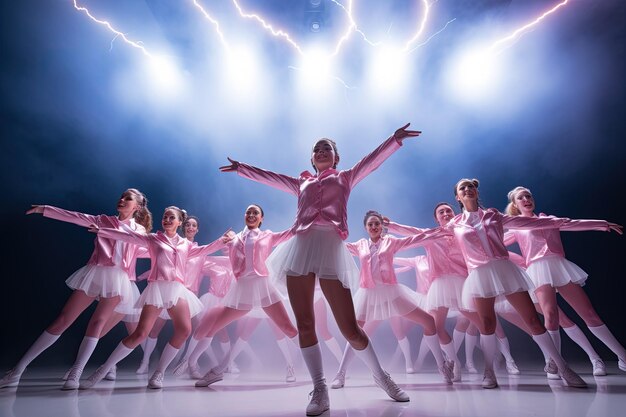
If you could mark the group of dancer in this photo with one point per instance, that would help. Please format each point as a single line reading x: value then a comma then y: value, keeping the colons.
x: 467, y: 269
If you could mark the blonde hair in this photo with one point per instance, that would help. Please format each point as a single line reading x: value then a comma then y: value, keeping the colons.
x: 511, y: 208
x: 182, y: 214
x: 472, y: 181
x: 143, y: 216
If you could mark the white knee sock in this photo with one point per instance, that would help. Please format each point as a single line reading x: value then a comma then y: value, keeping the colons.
x: 119, y: 353
x: 283, y: 345
x: 368, y: 355
x: 168, y: 354
x: 450, y: 352
x: 86, y: 348
x: 405, y: 347
x: 488, y: 345
x: 201, y: 346
x: 43, y: 342
x: 191, y: 346
x: 334, y: 348
x: 555, y: 335
x: 547, y: 346
x: 225, y: 346
x: 348, y: 355
x: 581, y: 340
x: 505, y: 348
x: 149, y: 348
x: 457, y: 338
x: 470, y: 344
x: 421, y: 354
x: 312, y: 356
x: 604, y: 334
x: 433, y: 343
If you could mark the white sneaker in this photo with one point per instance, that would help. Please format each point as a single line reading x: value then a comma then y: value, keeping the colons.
x: 94, y: 378
x: 232, y: 369
x: 339, y: 381
x: 410, y: 370
x: 194, y: 372
x: 391, y: 388
x: 552, y: 371
x: 64, y: 378
x: 511, y: 368
x: 143, y: 368
x: 181, y: 368
x: 112, y: 374
x: 456, y: 372
x: 571, y: 378
x: 156, y: 380
x: 446, y: 370
x: 599, y: 369
x: 621, y: 364
x: 73, y: 379
x: 489, y: 379
x: 209, y: 378
x: 291, y: 374
x: 10, y: 379
x: 471, y: 368
x: 319, y: 400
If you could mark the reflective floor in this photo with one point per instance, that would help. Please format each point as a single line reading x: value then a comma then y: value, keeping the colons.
x: 266, y: 394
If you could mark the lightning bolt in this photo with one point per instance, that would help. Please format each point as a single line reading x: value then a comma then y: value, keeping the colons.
x: 134, y: 44
x: 517, y: 34
x: 214, y: 22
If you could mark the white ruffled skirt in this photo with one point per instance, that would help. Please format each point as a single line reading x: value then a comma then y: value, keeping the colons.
x: 498, y: 277
x: 445, y: 291
x: 105, y: 282
x: 384, y: 301
x: 249, y: 292
x: 165, y: 295
x: 319, y: 250
x: 556, y: 272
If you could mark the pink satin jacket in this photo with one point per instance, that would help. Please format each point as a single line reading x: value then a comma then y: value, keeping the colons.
x: 493, y: 222
x: 169, y: 258
x: 262, y: 247
x: 540, y: 243
x: 323, y: 198
x: 444, y: 256
x: 104, y: 249
x: 387, y: 247
x: 420, y: 265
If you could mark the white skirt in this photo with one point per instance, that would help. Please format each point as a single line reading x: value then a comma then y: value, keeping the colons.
x: 106, y: 282
x: 384, y: 301
x: 445, y: 291
x: 165, y: 294
x: 503, y: 306
x: 319, y: 250
x: 210, y: 300
x: 132, y: 316
x: 498, y: 277
x: 556, y: 272
x: 246, y: 293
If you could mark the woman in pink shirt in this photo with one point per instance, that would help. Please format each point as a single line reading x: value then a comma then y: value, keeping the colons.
x: 166, y: 290
x: 381, y: 297
x: 317, y: 252
x: 551, y: 272
x: 251, y: 289
x: 106, y: 278
x: 480, y: 235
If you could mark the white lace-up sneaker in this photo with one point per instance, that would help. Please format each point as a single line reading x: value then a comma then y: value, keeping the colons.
x: 67, y: 373
x: 571, y: 378
x: 143, y: 368
x: 471, y: 368
x: 391, y: 388
x: 339, y: 381
x: 319, y: 400
x: 511, y: 368
x: 94, y: 378
x: 73, y: 379
x: 621, y: 364
x: 552, y: 371
x: 489, y: 379
x: 10, y: 379
x: 194, y: 372
x: 446, y: 370
x: 599, y: 369
x: 181, y: 368
x: 156, y: 380
x: 112, y: 374
x: 291, y: 374
x: 209, y: 378
x: 456, y: 372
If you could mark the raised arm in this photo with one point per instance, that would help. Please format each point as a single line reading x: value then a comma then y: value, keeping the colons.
x: 56, y: 213
x: 578, y: 225
x: 403, y: 230
x: 280, y: 181
x: 420, y: 239
x: 125, y: 234
x: 214, y: 246
x: 372, y: 161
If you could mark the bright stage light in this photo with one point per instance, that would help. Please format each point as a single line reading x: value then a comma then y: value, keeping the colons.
x: 316, y: 69
x: 474, y: 74
x: 242, y: 69
x: 388, y: 69
x: 164, y: 75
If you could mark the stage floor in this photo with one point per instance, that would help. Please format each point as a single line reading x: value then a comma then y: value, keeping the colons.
x: 245, y: 394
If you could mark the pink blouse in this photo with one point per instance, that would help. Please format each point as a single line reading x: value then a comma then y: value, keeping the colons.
x: 323, y: 198
x: 104, y: 248
x: 263, y: 243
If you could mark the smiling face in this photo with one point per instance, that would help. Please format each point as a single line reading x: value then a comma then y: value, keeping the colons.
x: 253, y: 216
x: 467, y: 194
x: 324, y: 155
x: 190, y: 228
x: 171, y: 221
x: 127, y: 205
x: 443, y: 214
x: 374, y: 227
x: 524, y: 202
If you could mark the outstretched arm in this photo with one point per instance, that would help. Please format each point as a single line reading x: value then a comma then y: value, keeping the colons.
x: 575, y: 225
x: 280, y: 181
x: 56, y: 213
